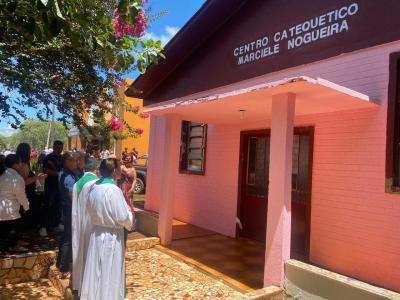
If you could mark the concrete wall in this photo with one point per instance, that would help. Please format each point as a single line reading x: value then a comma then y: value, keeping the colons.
x: 354, y: 223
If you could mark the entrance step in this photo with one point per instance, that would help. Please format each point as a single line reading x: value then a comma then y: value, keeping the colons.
x: 38, y: 289
x: 142, y: 243
x: 304, y: 281
x: 146, y: 222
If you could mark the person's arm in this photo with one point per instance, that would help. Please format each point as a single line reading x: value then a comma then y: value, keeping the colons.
x: 19, y: 190
x: 32, y: 179
x: 121, y: 212
x: 69, y: 185
x: 24, y: 171
x: 132, y: 174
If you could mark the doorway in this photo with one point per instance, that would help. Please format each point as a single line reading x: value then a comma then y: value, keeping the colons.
x: 253, y: 188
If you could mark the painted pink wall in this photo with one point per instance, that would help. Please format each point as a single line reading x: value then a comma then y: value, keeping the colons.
x: 355, y: 226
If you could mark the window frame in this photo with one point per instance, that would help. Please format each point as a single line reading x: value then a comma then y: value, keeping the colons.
x: 392, y: 182
x: 183, y: 156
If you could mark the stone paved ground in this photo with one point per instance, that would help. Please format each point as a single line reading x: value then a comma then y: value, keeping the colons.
x: 151, y: 274
x: 40, y: 289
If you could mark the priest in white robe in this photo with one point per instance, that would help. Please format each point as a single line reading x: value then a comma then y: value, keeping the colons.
x: 81, y: 227
x: 103, y: 277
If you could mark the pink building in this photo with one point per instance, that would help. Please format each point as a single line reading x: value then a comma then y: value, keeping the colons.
x: 278, y: 121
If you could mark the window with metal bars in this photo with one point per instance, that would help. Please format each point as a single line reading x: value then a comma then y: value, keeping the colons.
x: 193, y: 148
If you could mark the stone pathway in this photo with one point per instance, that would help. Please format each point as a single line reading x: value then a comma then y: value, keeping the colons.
x: 151, y: 274
x: 40, y: 289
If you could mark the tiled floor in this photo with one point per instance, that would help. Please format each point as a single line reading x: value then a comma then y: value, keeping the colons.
x: 151, y: 274
x: 182, y: 230
x: 237, y: 261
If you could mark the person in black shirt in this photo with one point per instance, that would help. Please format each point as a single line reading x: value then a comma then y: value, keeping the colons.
x: 52, y: 164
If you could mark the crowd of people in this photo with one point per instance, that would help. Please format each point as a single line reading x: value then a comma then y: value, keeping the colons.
x: 88, y: 197
x: 130, y: 157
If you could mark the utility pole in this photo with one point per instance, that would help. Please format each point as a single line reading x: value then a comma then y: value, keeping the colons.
x: 51, y: 125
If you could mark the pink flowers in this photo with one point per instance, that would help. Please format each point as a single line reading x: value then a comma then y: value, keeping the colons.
x: 115, y: 124
x: 138, y: 131
x: 118, y: 84
x: 144, y: 115
x: 122, y: 28
x: 136, y: 109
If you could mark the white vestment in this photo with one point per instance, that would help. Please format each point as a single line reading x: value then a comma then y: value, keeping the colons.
x: 81, y: 229
x: 103, y: 277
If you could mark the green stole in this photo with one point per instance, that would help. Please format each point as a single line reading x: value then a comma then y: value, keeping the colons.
x: 85, y: 179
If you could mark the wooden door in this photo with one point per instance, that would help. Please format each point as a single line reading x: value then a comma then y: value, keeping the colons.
x: 301, y: 193
x: 253, y: 190
x: 254, y: 184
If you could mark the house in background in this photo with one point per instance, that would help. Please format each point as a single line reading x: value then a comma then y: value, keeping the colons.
x: 81, y: 139
x: 278, y: 121
x: 141, y: 143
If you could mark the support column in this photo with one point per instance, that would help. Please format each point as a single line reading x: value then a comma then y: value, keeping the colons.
x: 277, y: 249
x: 154, y: 136
x: 172, y: 132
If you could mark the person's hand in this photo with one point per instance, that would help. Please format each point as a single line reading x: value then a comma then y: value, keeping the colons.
x: 41, y: 176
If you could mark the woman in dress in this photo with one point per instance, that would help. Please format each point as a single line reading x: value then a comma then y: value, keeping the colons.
x: 31, y: 183
x: 127, y: 183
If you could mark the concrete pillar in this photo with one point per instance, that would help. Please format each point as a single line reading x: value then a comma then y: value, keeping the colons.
x: 172, y: 134
x: 277, y: 249
x: 153, y: 154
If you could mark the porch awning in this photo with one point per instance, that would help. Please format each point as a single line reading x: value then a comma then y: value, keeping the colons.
x: 313, y: 96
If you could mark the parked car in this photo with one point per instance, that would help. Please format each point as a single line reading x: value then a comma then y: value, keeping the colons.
x: 140, y: 166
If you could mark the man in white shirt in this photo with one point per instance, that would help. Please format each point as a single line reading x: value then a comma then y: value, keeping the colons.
x: 12, y: 196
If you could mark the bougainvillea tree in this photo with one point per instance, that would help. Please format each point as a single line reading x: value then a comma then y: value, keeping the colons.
x: 70, y: 54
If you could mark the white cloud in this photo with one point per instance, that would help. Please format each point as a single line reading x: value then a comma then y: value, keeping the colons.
x: 165, y: 36
x: 7, y: 131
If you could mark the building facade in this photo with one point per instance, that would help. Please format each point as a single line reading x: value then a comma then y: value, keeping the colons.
x: 278, y: 121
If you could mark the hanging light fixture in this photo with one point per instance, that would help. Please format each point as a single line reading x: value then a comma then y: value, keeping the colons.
x: 242, y: 111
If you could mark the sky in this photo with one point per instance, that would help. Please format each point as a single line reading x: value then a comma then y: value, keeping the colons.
x: 163, y: 28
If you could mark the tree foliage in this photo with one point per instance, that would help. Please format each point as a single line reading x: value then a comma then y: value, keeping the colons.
x: 67, y: 53
x: 3, y: 142
x: 34, y: 132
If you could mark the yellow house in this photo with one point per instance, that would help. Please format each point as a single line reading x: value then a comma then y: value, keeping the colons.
x: 141, y: 143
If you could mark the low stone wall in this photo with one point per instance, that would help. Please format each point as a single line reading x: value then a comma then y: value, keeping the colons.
x: 26, y: 267
x: 304, y: 281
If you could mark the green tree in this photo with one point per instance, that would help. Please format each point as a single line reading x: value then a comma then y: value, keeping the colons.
x: 70, y: 53
x: 3, y: 142
x: 34, y: 132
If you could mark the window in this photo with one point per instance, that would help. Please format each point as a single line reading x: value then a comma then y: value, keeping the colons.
x: 193, y: 148
x: 393, y: 126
